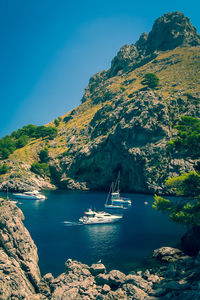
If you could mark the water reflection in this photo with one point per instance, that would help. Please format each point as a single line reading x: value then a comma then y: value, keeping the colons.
x: 103, y: 237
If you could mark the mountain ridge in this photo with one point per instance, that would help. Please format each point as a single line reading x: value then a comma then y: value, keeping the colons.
x: 121, y: 125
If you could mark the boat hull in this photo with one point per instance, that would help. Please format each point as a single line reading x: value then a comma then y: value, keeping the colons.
x: 121, y: 202
x: 114, y: 206
x: 90, y: 222
x: 29, y: 197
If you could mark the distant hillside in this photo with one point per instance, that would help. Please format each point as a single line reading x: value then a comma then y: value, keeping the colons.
x: 122, y: 125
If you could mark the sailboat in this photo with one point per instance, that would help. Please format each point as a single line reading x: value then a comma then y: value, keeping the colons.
x: 116, y: 200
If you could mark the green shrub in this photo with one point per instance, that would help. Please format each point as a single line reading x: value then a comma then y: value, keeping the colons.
x: 187, y: 210
x: 188, y: 139
x: 45, y: 131
x: 3, y: 169
x: 4, y: 153
x: 22, y: 141
x: 44, y: 155
x: 21, y: 137
x: 151, y: 80
x: 57, y: 121
x: 41, y: 169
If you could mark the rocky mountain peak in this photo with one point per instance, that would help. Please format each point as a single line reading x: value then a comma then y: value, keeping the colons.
x: 170, y: 31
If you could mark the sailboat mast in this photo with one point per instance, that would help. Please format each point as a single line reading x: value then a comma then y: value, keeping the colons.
x: 111, y: 189
x: 118, y: 182
x: 7, y: 193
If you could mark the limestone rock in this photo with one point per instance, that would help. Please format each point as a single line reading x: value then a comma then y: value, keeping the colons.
x: 170, y: 31
x: 168, y: 254
x: 124, y: 57
x: 106, y: 289
x: 19, y: 271
x: 102, y: 279
x: 98, y: 268
x: 134, y: 292
x: 139, y: 282
x: 116, y: 278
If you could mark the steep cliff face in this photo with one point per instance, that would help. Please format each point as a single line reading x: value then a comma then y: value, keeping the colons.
x: 131, y: 140
x: 120, y: 125
x: 19, y: 271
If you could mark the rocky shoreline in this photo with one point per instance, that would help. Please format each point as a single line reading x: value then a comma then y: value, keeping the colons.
x: 176, y: 277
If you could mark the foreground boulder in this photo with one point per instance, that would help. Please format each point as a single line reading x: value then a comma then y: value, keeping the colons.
x: 168, y: 254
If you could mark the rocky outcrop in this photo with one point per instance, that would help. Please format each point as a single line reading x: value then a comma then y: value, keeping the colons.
x: 19, y: 271
x: 169, y: 31
x: 21, y: 179
x: 130, y: 136
x: 26, y: 184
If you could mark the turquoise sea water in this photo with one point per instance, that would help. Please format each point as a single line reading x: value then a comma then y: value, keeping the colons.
x: 53, y: 226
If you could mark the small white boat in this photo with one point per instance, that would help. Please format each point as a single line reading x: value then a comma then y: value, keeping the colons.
x: 33, y: 195
x: 99, y: 217
x: 116, y: 200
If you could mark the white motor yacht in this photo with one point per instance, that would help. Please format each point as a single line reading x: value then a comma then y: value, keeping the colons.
x: 32, y: 195
x: 99, y: 217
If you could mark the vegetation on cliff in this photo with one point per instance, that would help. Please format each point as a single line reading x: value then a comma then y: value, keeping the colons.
x: 3, y: 169
x: 151, y: 80
x: 21, y: 137
x: 188, y: 137
x: 187, y: 210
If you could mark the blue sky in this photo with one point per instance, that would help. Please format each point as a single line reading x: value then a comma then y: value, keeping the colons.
x: 50, y: 48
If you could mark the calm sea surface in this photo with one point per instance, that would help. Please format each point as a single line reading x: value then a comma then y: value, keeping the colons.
x: 124, y: 245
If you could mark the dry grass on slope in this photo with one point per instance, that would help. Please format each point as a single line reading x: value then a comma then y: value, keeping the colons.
x: 177, y: 69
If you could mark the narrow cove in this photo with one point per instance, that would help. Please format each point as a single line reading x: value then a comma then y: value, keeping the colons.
x: 126, y: 245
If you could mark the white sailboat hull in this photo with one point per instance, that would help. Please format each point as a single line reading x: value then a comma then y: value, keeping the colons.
x: 113, y: 206
x: 116, y: 201
x: 121, y: 201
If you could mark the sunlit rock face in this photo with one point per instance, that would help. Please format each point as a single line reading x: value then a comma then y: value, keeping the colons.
x: 19, y: 271
x: 168, y: 32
